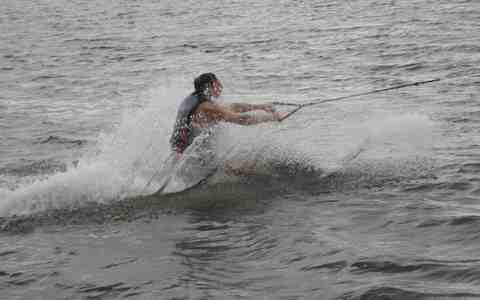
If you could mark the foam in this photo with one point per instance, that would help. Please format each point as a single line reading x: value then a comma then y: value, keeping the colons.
x: 124, y: 160
x: 117, y: 166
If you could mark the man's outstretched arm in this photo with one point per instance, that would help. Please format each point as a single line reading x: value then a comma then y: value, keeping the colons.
x: 245, y: 107
x: 227, y: 114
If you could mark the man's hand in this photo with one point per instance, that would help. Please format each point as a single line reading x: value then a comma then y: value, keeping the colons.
x: 278, y: 116
x: 270, y: 108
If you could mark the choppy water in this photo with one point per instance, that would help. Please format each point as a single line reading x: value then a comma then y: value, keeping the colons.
x: 88, y: 93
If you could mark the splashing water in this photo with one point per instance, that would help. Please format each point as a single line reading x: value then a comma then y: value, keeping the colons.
x: 117, y: 166
x: 124, y: 161
x: 397, y: 145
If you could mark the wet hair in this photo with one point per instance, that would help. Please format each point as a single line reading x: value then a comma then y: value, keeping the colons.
x: 203, y: 84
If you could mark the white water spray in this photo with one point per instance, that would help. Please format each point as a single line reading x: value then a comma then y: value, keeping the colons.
x: 116, y: 167
x: 123, y: 161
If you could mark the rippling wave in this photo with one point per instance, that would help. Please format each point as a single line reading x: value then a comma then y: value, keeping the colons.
x: 373, y: 197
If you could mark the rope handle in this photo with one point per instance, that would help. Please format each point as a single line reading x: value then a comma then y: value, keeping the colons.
x: 320, y: 101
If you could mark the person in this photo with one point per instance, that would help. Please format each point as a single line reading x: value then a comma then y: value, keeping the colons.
x: 192, y: 132
x: 200, y: 111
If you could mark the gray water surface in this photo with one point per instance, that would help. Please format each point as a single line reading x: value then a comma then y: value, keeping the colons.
x: 371, y: 198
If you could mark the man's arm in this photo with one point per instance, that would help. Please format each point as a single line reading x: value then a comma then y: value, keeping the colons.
x: 218, y: 112
x: 244, y: 107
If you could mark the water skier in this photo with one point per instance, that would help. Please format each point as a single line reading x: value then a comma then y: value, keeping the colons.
x: 199, y: 111
x: 196, y: 117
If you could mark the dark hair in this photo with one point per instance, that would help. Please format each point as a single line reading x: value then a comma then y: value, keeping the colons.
x: 203, y: 82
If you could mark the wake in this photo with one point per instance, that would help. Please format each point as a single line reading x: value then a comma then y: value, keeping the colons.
x: 128, y: 161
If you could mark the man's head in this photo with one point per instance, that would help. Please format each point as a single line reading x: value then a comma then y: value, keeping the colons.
x: 208, y: 85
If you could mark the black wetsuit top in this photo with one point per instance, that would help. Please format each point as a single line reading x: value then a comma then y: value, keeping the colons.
x: 183, y: 132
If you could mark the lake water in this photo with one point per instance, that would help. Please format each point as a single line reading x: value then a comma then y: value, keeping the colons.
x: 373, y: 197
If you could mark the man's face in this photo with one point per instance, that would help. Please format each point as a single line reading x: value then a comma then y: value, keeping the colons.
x: 217, y: 88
